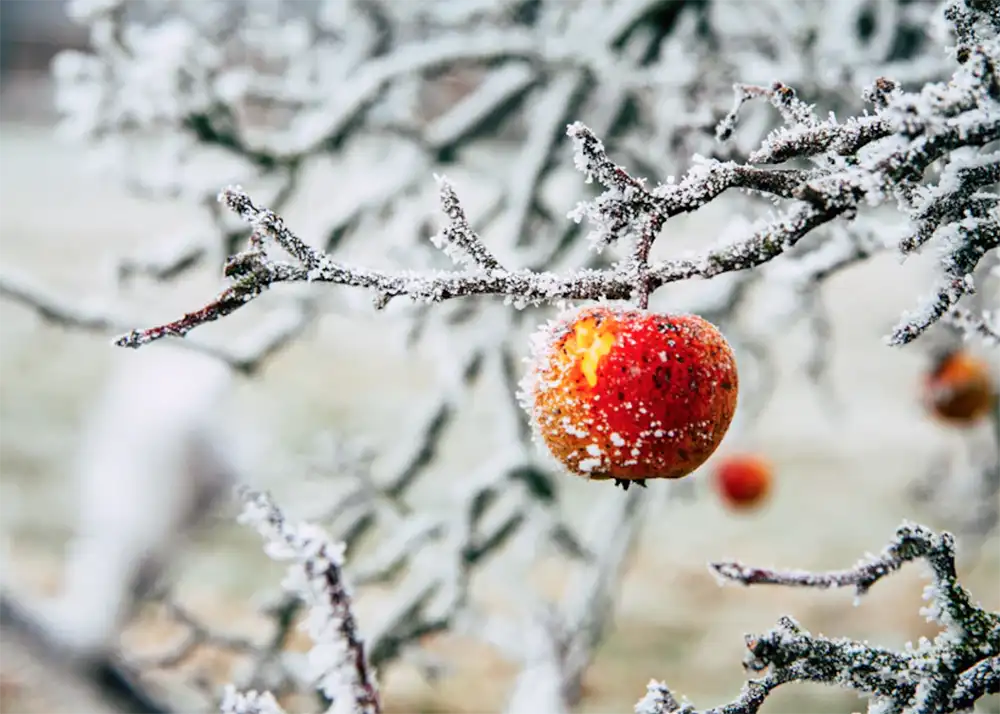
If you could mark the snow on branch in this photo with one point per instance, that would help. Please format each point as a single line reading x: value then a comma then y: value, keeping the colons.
x: 429, y: 559
x: 911, y: 543
x: 947, y: 675
x: 255, y: 272
x: 429, y: 599
x: 210, y: 75
x: 986, y: 325
x: 250, y: 702
x: 863, y: 161
x: 458, y: 239
x: 338, y: 657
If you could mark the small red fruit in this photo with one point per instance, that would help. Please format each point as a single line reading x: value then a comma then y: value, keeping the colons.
x: 743, y: 480
x: 959, y: 389
x: 627, y: 394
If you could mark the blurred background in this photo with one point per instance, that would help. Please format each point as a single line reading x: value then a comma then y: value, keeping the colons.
x: 108, y: 223
x: 31, y: 34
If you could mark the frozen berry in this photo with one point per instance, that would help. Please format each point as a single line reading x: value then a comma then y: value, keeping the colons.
x: 959, y: 388
x: 743, y: 481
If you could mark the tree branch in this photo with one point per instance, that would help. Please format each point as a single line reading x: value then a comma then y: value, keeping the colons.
x: 945, y: 676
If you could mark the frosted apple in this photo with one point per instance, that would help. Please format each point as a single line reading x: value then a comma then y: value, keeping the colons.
x: 959, y: 388
x: 628, y: 394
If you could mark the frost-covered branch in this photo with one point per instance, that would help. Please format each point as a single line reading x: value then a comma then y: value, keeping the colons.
x: 254, y: 272
x: 338, y: 658
x: 458, y: 239
x: 946, y: 675
x: 863, y: 161
x: 985, y: 326
x: 230, y: 85
x: 911, y: 543
x: 251, y: 702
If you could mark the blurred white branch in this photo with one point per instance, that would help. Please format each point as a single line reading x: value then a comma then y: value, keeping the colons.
x: 245, y: 354
x: 560, y: 646
x: 338, y: 658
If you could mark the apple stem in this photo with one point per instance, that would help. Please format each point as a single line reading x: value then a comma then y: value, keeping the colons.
x: 640, y: 258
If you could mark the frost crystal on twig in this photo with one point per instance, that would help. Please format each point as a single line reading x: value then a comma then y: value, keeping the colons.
x: 659, y: 700
x: 251, y: 702
x: 911, y: 543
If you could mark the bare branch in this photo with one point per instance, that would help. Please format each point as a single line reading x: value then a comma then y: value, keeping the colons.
x: 198, y: 634
x: 110, y: 680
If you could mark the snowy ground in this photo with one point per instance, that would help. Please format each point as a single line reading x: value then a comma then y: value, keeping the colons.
x: 841, y: 473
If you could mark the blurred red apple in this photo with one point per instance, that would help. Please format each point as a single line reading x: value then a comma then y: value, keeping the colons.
x: 743, y: 481
x: 959, y: 389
